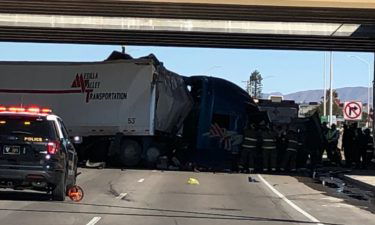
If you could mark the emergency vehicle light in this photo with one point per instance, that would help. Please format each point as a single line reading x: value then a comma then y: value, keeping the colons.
x: 16, y: 109
x: 34, y: 110
x: 46, y: 110
x: 30, y: 110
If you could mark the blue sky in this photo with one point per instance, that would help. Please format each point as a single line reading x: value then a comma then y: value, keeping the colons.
x: 284, y: 71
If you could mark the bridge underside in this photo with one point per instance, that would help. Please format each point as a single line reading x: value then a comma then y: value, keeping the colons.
x: 189, y: 24
x: 185, y: 39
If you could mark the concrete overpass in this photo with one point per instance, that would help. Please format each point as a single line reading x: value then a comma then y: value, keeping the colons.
x: 272, y: 24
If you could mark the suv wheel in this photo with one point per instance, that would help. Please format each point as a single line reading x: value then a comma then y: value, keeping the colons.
x: 59, y: 192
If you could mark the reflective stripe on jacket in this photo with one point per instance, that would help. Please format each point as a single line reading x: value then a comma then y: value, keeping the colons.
x: 250, y: 140
x: 293, y: 143
x: 370, y: 145
x: 269, y: 142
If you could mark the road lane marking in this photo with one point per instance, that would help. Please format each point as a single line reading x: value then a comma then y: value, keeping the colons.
x: 141, y: 180
x: 294, y: 206
x: 94, y: 220
x: 122, y: 195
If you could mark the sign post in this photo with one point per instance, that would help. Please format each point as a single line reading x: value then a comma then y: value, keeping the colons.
x: 353, y: 111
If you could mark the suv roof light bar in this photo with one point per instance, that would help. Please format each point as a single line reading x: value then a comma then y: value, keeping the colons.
x: 22, y: 109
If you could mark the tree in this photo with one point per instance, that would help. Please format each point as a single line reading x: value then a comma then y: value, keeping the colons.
x: 255, y: 84
x: 336, y: 109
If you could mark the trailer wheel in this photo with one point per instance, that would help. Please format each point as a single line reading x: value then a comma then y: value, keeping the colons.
x: 152, y: 155
x: 130, y: 154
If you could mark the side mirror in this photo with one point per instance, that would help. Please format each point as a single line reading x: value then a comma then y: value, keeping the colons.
x: 77, y: 140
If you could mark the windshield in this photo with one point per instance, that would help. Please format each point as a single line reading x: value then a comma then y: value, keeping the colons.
x: 21, y: 125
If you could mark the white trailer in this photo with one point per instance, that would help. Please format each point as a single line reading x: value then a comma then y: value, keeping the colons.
x: 135, y: 100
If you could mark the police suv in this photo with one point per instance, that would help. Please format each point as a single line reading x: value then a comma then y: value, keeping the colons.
x: 35, y: 152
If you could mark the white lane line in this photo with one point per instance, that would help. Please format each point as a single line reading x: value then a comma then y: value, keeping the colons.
x: 294, y: 206
x: 141, y: 180
x: 122, y: 195
x: 94, y: 220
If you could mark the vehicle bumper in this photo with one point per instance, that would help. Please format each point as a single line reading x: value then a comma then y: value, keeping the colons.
x: 22, y: 177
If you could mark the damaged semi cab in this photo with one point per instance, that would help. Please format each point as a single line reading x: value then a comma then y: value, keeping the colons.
x: 216, y: 123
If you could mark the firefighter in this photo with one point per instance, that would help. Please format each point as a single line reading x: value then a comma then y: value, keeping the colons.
x: 360, y: 144
x: 347, y: 144
x: 269, y: 151
x: 291, y: 151
x: 301, y: 153
x: 332, y: 141
x: 324, y: 145
x: 249, y: 148
x: 281, y: 144
x: 368, y: 153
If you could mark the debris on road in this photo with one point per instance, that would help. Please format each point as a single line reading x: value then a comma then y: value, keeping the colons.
x: 193, y: 181
x: 252, y: 180
x: 99, y: 165
x: 332, y: 179
x: 112, y: 190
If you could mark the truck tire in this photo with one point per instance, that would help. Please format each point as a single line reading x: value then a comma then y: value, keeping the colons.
x: 152, y: 155
x: 130, y: 153
x: 59, y: 192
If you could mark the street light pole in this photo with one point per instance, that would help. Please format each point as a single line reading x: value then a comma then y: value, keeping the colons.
x: 368, y: 96
x: 331, y: 89
x: 369, y: 84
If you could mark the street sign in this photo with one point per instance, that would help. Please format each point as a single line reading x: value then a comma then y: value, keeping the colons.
x: 324, y: 119
x: 352, y: 110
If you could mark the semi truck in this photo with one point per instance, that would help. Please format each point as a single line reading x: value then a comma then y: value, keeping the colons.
x: 129, y: 112
x: 125, y: 110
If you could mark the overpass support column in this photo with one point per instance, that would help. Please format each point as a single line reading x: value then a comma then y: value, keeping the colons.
x: 373, y: 99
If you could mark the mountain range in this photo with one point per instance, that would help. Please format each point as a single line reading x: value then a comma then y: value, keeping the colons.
x: 344, y: 94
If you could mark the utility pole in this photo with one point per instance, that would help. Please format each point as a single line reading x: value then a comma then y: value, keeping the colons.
x: 331, y: 89
x: 373, y: 99
x: 249, y: 91
x: 325, y: 85
x: 368, y: 96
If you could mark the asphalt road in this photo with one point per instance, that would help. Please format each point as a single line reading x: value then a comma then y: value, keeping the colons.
x: 146, y: 197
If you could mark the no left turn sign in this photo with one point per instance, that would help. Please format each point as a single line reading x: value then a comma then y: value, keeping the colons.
x: 352, y: 110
